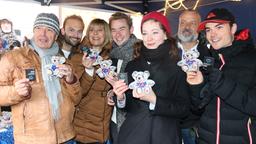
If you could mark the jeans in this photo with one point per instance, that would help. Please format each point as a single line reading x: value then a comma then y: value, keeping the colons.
x: 188, y: 136
x: 107, y: 142
x: 70, y: 142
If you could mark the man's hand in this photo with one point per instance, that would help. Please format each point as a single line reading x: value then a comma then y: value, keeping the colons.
x: 66, y: 71
x: 111, y: 79
x: 23, y: 88
x: 215, y: 78
x: 119, y: 87
x: 110, y: 100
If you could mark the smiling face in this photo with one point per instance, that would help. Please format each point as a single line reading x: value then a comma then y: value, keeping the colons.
x: 96, y: 35
x: 6, y: 27
x: 73, y: 31
x: 188, y: 24
x: 120, y: 31
x: 220, y: 35
x: 44, y: 37
x: 153, y: 34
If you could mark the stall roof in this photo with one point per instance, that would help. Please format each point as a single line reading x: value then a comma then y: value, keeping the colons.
x: 129, y: 6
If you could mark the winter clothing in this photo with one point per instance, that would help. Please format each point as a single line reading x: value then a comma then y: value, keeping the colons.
x: 217, y: 15
x: 158, y: 17
x: 49, y: 20
x: 75, y: 57
x: 234, y: 85
x: 124, y: 53
x: 161, y: 125
x: 92, y: 118
x: 32, y: 118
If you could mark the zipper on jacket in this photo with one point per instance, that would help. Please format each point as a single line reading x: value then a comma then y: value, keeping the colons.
x: 218, y: 105
x: 249, y: 129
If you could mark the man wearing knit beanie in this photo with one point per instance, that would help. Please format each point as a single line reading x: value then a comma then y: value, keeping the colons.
x: 49, y: 20
x: 42, y: 104
x: 44, y: 23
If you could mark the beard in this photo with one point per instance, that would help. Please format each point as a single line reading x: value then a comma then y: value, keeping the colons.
x: 72, y: 43
x: 187, y: 35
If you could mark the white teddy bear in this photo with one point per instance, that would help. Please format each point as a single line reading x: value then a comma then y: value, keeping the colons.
x: 94, y: 55
x: 105, y: 68
x: 52, y: 69
x: 141, y: 82
x: 190, y: 61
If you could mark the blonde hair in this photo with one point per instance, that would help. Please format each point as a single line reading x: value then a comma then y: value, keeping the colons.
x: 107, y: 44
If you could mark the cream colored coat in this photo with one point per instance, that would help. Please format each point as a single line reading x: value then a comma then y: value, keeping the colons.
x: 32, y: 118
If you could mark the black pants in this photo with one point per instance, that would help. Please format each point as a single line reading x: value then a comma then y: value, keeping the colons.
x: 113, y: 132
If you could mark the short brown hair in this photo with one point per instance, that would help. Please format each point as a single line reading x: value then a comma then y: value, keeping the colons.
x: 76, y: 17
x: 119, y: 15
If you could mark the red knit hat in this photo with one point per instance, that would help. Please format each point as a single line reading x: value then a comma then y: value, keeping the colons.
x: 159, y: 17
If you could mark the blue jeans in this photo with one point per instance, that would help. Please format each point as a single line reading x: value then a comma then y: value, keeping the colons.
x: 107, y: 142
x: 188, y: 136
x: 70, y: 142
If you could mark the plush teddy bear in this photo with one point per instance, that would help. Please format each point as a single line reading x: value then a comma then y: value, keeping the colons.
x: 141, y: 82
x: 52, y: 69
x: 105, y: 68
x: 94, y: 55
x: 190, y: 61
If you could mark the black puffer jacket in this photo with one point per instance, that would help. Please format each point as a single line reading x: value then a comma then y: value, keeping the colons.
x: 236, y: 89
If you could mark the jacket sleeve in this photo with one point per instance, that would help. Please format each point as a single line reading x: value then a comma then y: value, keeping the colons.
x: 73, y: 90
x: 8, y: 96
x: 177, y: 105
x: 239, y: 96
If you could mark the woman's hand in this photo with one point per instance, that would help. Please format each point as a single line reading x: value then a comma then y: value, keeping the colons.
x: 148, y: 96
x: 195, y: 77
x: 88, y: 63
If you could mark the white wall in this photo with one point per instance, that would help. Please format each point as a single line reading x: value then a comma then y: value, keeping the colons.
x: 23, y: 14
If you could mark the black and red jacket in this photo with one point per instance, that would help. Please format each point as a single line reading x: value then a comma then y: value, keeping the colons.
x: 229, y: 116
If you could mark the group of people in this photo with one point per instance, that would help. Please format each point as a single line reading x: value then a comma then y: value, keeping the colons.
x: 69, y: 103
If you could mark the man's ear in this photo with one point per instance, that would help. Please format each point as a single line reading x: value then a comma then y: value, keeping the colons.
x: 131, y: 29
x: 56, y: 37
x: 234, y: 28
x: 62, y: 31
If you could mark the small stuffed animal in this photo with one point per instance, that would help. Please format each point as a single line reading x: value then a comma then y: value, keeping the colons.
x: 105, y: 68
x: 189, y: 61
x: 141, y: 82
x: 95, y: 55
x: 52, y: 69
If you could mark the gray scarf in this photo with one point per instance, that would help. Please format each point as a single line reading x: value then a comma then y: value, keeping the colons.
x: 51, y: 84
x: 124, y: 52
